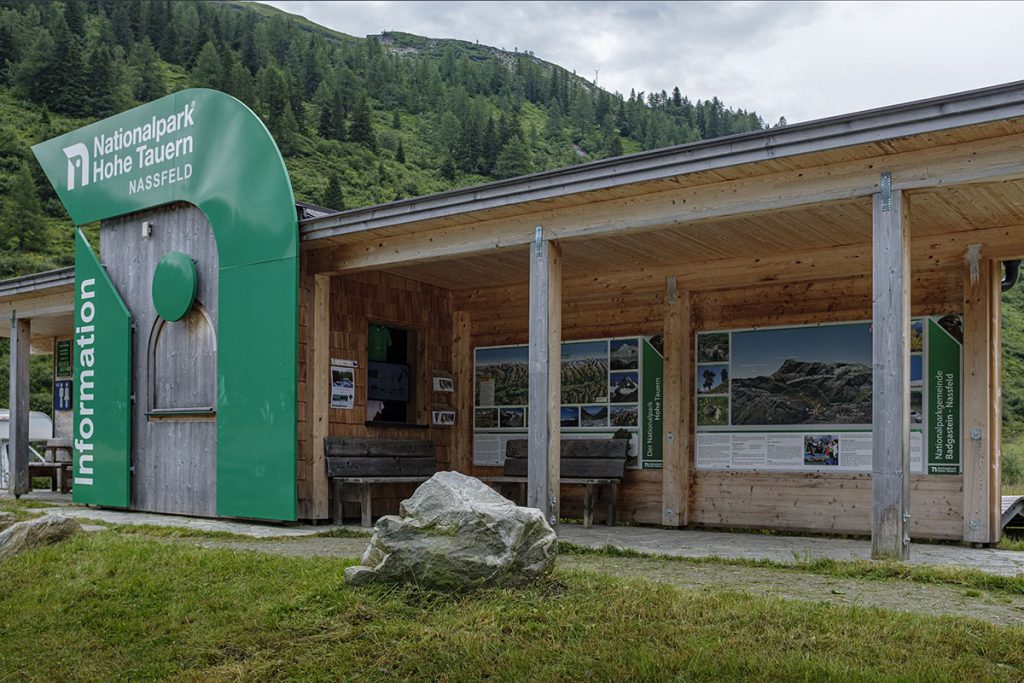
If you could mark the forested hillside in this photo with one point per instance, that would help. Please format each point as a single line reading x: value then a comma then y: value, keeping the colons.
x: 359, y: 120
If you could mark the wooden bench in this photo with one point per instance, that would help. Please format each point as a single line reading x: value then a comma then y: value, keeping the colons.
x: 593, y: 463
x: 59, y: 474
x: 354, y: 466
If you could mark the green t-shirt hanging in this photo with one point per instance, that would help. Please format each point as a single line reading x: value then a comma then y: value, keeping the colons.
x: 380, y: 340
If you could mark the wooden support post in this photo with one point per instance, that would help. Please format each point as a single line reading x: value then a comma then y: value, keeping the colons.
x: 890, y: 462
x: 318, y: 389
x: 675, y: 475
x: 17, y: 446
x: 461, y: 458
x: 995, y: 451
x: 545, y: 377
x: 980, y: 403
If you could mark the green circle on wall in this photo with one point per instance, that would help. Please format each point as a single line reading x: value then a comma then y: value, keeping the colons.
x: 174, y: 286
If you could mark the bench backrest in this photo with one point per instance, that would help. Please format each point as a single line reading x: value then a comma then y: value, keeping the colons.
x: 580, y: 458
x: 351, y: 457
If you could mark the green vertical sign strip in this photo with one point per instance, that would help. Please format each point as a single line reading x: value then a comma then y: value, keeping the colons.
x: 64, y: 358
x: 653, y: 406
x: 207, y: 148
x: 102, y: 404
x: 944, y: 386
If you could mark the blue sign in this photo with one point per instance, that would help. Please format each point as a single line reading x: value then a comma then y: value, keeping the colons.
x: 62, y: 394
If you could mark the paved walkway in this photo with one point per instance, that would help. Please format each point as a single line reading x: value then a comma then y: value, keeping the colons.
x: 669, y: 542
x: 788, y: 549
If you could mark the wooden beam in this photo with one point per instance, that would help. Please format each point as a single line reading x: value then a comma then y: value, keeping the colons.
x: 890, y: 462
x: 675, y: 474
x: 988, y: 160
x: 318, y: 390
x: 978, y: 448
x: 461, y: 459
x: 17, y: 445
x: 995, y: 498
x: 545, y: 393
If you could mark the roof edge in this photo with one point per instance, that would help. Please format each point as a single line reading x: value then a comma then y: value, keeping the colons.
x: 972, y: 107
x: 35, y: 282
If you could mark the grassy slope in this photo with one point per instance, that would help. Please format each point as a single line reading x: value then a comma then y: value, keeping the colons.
x: 117, y: 607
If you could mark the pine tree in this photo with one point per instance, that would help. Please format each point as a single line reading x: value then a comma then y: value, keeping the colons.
x: 207, y: 73
x: 361, y: 128
x: 74, y: 16
x: 614, y: 147
x: 100, y: 82
x: 23, y: 218
x: 332, y: 197
x: 514, y: 159
x: 170, y: 43
x: 396, y: 121
x: 36, y: 75
x: 491, y: 146
x: 149, y: 79
x: 70, y: 96
x: 121, y: 25
x: 286, y: 130
x: 400, y: 153
x: 273, y: 94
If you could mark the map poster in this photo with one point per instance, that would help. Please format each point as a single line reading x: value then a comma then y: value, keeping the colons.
x: 800, y: 397
x: 611, y: 388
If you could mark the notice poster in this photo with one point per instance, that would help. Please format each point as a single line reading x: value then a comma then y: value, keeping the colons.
x: 63, y: 358
x: 610, y: 388
x: 343, y: 384
x: 945, y: 343
x: 799, y: 398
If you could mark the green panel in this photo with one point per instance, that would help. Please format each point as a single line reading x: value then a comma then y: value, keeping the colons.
x: 63, y: 358
x: 207, y: 148
x: 174, y: 286
x: 653, y: 407
x: 102, y: 405
x: 257, y: 390
x: 944, y: 387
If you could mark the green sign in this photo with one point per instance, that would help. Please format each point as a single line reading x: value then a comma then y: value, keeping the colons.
x: 64, y: 358
x: 943, y: 401
x: 209, y: 149
x: 102, y: 408
x: 653, y: 398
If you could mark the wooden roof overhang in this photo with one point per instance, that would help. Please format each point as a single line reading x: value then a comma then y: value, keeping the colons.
x: 47, y: 298
x: 791, y: 203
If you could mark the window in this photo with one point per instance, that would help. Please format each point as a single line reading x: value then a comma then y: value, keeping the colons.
x: 391, y: 371
x: 182, y: 377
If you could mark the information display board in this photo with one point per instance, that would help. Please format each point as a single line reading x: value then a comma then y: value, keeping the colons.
x: 609, y: 387
x: 799, y: 398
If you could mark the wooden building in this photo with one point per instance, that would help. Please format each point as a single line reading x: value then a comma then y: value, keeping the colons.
x: 879, y: 217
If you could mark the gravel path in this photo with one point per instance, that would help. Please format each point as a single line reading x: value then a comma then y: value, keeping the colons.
x: 932, y: 599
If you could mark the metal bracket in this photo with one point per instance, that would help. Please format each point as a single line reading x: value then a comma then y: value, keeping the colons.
x: 672, y: 289
x: 974, y: 259
x: 538, y: 241
x: 885, y: 185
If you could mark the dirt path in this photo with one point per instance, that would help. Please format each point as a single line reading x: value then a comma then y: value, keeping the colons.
x: 932, y: 599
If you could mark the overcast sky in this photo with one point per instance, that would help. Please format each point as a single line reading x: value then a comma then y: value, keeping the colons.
x: 799, y: 60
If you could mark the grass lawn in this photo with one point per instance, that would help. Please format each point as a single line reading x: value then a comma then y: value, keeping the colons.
x: 113, y: 606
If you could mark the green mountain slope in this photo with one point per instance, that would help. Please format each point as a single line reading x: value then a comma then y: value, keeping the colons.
x: 384, y: 117
x: 360, y: 120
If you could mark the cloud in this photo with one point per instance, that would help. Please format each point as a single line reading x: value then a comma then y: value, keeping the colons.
x: 798, y: 59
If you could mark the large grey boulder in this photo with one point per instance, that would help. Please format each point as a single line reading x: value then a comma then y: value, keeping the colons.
x: 457, y: 533
x: 37, y: 532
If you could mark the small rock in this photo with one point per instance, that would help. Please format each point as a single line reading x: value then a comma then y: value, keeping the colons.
x: 457, y: 533
x: 34, y: 533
